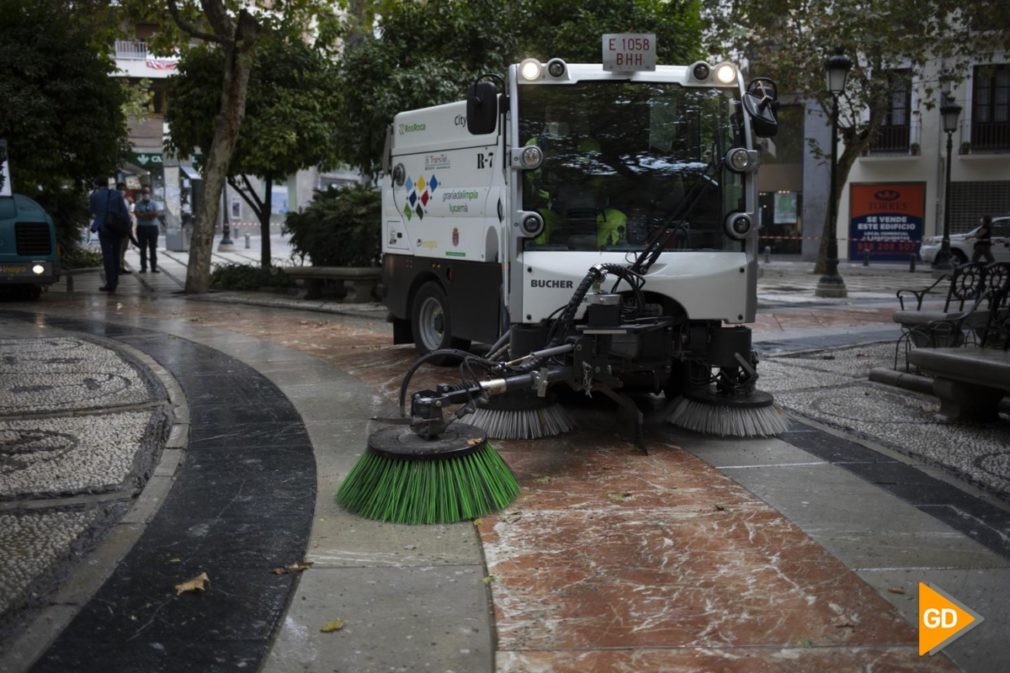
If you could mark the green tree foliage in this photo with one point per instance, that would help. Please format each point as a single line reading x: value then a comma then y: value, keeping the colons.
x: 341, y: 227
x: 61, y: 112
x: 289, y: 119
x: 789, y: 40
x: 426, y: 52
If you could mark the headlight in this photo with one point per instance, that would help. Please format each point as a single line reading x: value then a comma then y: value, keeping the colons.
x: 556, y: 67
x: 725, y: 73
x: 742, y: 160
x: 701, y: 70
x: 532, y: 225
x: 38, y: 269
x: 738, y: 226
x: 530, y: 69
x: 531, y: 157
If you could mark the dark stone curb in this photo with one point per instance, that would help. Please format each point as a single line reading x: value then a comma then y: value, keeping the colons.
x: 241, y: 504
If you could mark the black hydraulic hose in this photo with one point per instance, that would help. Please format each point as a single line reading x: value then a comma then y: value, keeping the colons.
x: 450, y: 352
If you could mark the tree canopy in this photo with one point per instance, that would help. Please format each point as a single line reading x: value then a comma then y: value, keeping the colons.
x: 426, y: 52
x: 62, y: 112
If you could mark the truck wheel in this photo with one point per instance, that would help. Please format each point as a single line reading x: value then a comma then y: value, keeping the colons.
x: 431, y: 323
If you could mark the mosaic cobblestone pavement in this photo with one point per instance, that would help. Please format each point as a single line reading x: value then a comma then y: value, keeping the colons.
x: 833, y: 388
x: 79, y: 425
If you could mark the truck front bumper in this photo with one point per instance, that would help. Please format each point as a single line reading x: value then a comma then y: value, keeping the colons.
x: 33, y: 272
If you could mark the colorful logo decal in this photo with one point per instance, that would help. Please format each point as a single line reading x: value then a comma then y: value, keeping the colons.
x: 455, y: 236
x: 419, y: 194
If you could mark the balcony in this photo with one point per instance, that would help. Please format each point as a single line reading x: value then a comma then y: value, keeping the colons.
x: 134, y: 60
x: 892, y: 140
x: 131, y: 50
x: 989, y: 137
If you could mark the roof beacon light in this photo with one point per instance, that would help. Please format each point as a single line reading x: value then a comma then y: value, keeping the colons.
x: 531, y: 69
x: 725, y: 73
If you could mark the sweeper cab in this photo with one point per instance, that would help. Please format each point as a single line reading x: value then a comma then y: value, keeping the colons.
x: 595, y: 223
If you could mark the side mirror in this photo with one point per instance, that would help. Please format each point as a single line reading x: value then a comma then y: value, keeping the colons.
x: 481, y: 108
x: 761, y: 102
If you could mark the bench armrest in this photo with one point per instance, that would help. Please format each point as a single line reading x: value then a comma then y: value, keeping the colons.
x: 919, y: 294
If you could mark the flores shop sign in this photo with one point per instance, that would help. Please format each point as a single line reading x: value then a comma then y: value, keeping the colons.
x: 886, y: 219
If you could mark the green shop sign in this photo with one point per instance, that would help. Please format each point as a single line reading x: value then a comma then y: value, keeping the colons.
x: 147, y: 159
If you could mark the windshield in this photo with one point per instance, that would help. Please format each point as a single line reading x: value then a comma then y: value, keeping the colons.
x: 623, y: 158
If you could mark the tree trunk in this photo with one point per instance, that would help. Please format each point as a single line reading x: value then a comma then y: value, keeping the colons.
x: 268, y: 192
x: 238, y: 65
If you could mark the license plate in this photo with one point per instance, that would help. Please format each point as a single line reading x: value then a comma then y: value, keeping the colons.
x: 13, y: 268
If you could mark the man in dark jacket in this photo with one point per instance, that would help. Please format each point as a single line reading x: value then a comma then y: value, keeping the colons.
x: 983, y: 241
x: 103, y: 201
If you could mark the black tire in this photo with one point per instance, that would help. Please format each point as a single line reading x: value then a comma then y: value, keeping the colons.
x: 431, y: 323
x: 958, y: 257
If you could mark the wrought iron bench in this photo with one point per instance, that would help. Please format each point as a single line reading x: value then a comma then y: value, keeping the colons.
x: 977, y: 291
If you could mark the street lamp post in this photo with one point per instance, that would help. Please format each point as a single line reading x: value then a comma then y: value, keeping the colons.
x: 831, y: 284
x: 949, y: 111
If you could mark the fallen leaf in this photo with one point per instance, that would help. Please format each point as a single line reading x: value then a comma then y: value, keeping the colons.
x: 806, y: 643
x: 843, y: 622
x: 331, y: 626
x: 544, y: 480
x: 198, y: 583
x: 618, y: 497
x: 478, y: 522
x: 490, y: 579
x: 720, y: 508
x: 474, y: 441
x: 292, y: 568
x: 896, y: 590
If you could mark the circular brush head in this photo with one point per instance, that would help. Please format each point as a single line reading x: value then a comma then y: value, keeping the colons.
x: 522, y: 416
x: 705, y: 411
x: 402, y: 478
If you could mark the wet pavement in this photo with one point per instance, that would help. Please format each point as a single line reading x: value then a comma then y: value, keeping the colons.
x: 795, y: 554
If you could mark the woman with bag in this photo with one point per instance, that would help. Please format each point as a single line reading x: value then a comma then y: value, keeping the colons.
x: 111, y: 219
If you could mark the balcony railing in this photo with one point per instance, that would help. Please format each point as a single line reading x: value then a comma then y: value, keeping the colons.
x: 133, y: 50
x: 892, y: 139
x: 990, y: 136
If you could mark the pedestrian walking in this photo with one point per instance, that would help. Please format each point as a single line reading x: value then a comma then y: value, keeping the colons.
x: 148, y: 215
x: 111, y: 221
x: 983, y: 241
x: 121, y: 188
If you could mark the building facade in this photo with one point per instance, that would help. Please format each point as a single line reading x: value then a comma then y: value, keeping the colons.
x: 896, y: 192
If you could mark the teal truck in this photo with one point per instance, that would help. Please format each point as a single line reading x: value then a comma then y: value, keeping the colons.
x: 29, y: 258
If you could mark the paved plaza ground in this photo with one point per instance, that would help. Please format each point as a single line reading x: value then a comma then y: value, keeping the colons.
x: 148, y: 437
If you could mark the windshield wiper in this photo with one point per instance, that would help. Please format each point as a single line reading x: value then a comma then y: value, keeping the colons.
x: 677, y: 222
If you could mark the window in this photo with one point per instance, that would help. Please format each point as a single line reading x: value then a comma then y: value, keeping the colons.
x: 893, y: 135
x: 990, y: 112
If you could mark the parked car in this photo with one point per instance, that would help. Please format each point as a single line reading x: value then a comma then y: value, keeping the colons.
x: 962, y: 245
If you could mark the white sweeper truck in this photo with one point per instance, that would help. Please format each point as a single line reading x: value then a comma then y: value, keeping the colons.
x: 597, y: 225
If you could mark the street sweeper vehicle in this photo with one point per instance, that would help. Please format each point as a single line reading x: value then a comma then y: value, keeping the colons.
x: 596, y: 224
x: 605, y: 215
